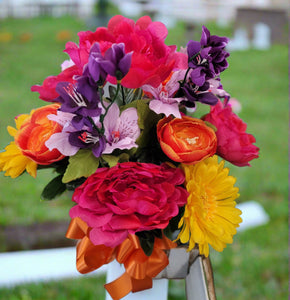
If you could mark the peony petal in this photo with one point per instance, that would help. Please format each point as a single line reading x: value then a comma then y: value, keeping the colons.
x: 107, y: 238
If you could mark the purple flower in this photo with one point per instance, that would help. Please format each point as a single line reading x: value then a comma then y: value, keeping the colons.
x: 217, y: 51
x: 84, y: 102
x: 122, y: 61
x: 115, y: 62
x: 81, y: 99
x: 85, y: 139
x: 98, y: 66
x: 195, y: 93
x: 70, y: 140
x: 121, y: 131
x: 60, y: 140
x: 207, y: 58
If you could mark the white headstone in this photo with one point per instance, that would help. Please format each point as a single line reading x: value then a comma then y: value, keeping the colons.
x: 240, y: 40
x: 262, y: 36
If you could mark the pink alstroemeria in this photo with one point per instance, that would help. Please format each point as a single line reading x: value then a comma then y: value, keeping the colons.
x: 216, y: 88
x: 163, y: 96
x: 60, y: 140
x: 121, y: 131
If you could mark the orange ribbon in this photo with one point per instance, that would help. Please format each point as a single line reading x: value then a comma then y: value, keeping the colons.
x: 89, y: 256
x: 140, y: 268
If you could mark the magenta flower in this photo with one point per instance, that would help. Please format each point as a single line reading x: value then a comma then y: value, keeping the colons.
x: 121, y: 131
x: 234, y: 143
x: 128, y: 198
x: 163, y: 100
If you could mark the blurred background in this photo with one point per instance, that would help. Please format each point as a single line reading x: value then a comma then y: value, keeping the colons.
x: 33, y: 34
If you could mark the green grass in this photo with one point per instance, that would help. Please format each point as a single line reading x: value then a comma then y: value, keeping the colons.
x: 255, y: 266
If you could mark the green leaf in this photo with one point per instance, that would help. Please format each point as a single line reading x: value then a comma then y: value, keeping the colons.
x: 54, y: 188
x: 124, y: 157
x: 112, y: 160
x: 147, y: 119
x: 210, y: 125
x: 82, y: 164
x: 146, y: 241
x: 173, y: 223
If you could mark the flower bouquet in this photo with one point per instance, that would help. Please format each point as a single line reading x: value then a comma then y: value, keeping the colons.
x: 124, y: 132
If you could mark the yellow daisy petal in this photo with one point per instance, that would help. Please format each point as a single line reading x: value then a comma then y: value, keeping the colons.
x: 210, y: 216
x: 14, y: 163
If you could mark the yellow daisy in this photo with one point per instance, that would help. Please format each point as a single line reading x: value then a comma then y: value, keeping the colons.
x: 12, y: 160
x: 210, y: 215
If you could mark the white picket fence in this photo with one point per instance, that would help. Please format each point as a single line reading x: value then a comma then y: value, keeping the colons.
x: 197, y: 10
x: 56, y: 8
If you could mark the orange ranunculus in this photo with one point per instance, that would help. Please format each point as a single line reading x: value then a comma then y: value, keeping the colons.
x: 187, y: 140
x: 35, y: 131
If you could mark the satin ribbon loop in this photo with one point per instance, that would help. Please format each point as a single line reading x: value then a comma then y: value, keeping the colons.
x: 120, y: 287
x: 77, y: 229
x: 140, y: 268
x: 89, y: 256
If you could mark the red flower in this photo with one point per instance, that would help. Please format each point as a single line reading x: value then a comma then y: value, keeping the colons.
x: 152, y: 60
x: 234, y: 144
x: 128, y: 198
x: 47, y: 90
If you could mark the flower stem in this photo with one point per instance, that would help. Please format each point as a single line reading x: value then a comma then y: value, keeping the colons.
x: 123, y: 95
x: 102, y: 117
x: 184, y: 79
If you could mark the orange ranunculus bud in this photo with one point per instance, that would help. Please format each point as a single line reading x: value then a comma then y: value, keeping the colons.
x: 35, y: 131
x: 187, y: 140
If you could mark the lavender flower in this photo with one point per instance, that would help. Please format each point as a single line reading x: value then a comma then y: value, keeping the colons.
x: 163, y: 96
x: 121, y: 131
x: 60, y: 140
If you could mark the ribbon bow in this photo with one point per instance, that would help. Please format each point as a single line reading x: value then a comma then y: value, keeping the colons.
x: 140, y: 268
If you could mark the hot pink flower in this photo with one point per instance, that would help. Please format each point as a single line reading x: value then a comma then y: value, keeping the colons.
x: 234, y: 144
x: 152, y: 60
x: 47, y: 90
x: 128, y: 198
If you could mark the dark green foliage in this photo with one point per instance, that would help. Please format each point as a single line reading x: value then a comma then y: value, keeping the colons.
x: 53, y: 189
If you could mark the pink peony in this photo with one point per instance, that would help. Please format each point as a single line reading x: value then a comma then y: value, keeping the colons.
x: 152, y: 60
x: 234, y: 144
x: 128, y: 198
